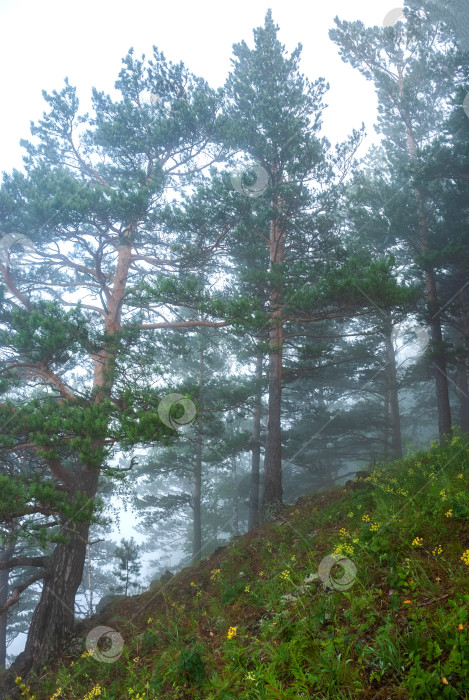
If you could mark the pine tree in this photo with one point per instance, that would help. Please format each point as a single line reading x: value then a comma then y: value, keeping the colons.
x: 128, y: 566
x: 414, y: 69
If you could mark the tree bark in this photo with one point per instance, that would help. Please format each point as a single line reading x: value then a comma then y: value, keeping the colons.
x: 53, y: 617
x: 5, y: 555
x: 256, y: 448
x: 463, y: 389
x: 392, y: 392
x: 197, y: 478
x: 235, y: 521
x: 433, y: 306
x: 272, y: 496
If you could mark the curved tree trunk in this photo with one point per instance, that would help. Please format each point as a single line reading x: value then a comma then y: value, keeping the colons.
x: 5, y: 553
x: 53, y: 617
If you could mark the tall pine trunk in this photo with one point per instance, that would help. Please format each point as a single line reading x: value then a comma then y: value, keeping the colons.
x: 234, y: 481
x: 463, y: 389
x: 272, y: 495
x: 433, y: 306
x: 392, y: 394
x: 256, y: 448
x: 197, y: 478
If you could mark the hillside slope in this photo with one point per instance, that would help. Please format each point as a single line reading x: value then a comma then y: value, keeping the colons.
x: 267, y: 616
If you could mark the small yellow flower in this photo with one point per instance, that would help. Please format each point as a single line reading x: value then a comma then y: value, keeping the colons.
x: 215, y: 574
x: 150, y: 619
x: 261, y: 573
x: 460, y: 627
x: 437, y: 551
x: 407, y: 602
x: 285, y: 574
x: 247, y: 589
x: 198, y: 594
x: 232, y: 632
x: 366, y: 518
x: 417, y: 542
x: 449, y: 513
x: 465, y: 557
x: 443, y: 680
x: 443, y: 494
x: 374, y: 527
x: 192, y: 583
x: 460, y: 476
x: 350, y: 515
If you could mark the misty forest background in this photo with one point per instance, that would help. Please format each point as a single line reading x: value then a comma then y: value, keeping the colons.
x: 309, y: 299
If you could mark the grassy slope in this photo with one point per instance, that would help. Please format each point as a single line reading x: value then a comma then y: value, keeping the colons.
x: 222, y: 630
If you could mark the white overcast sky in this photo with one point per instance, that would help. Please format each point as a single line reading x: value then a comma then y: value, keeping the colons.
x: 44, y: 41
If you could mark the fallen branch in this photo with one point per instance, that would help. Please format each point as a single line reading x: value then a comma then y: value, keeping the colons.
x: 433, y: 601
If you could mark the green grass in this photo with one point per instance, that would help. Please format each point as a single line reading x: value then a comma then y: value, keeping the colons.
x: 253, y: 622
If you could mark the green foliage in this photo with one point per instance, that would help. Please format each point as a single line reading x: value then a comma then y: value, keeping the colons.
x: 190, y: 664
x: 128, y: 566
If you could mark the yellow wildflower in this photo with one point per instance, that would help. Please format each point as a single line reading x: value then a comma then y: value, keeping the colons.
x: 232, y: 632
x: 449, y: 513
x: 465, y: 557
x: 417, y: 542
